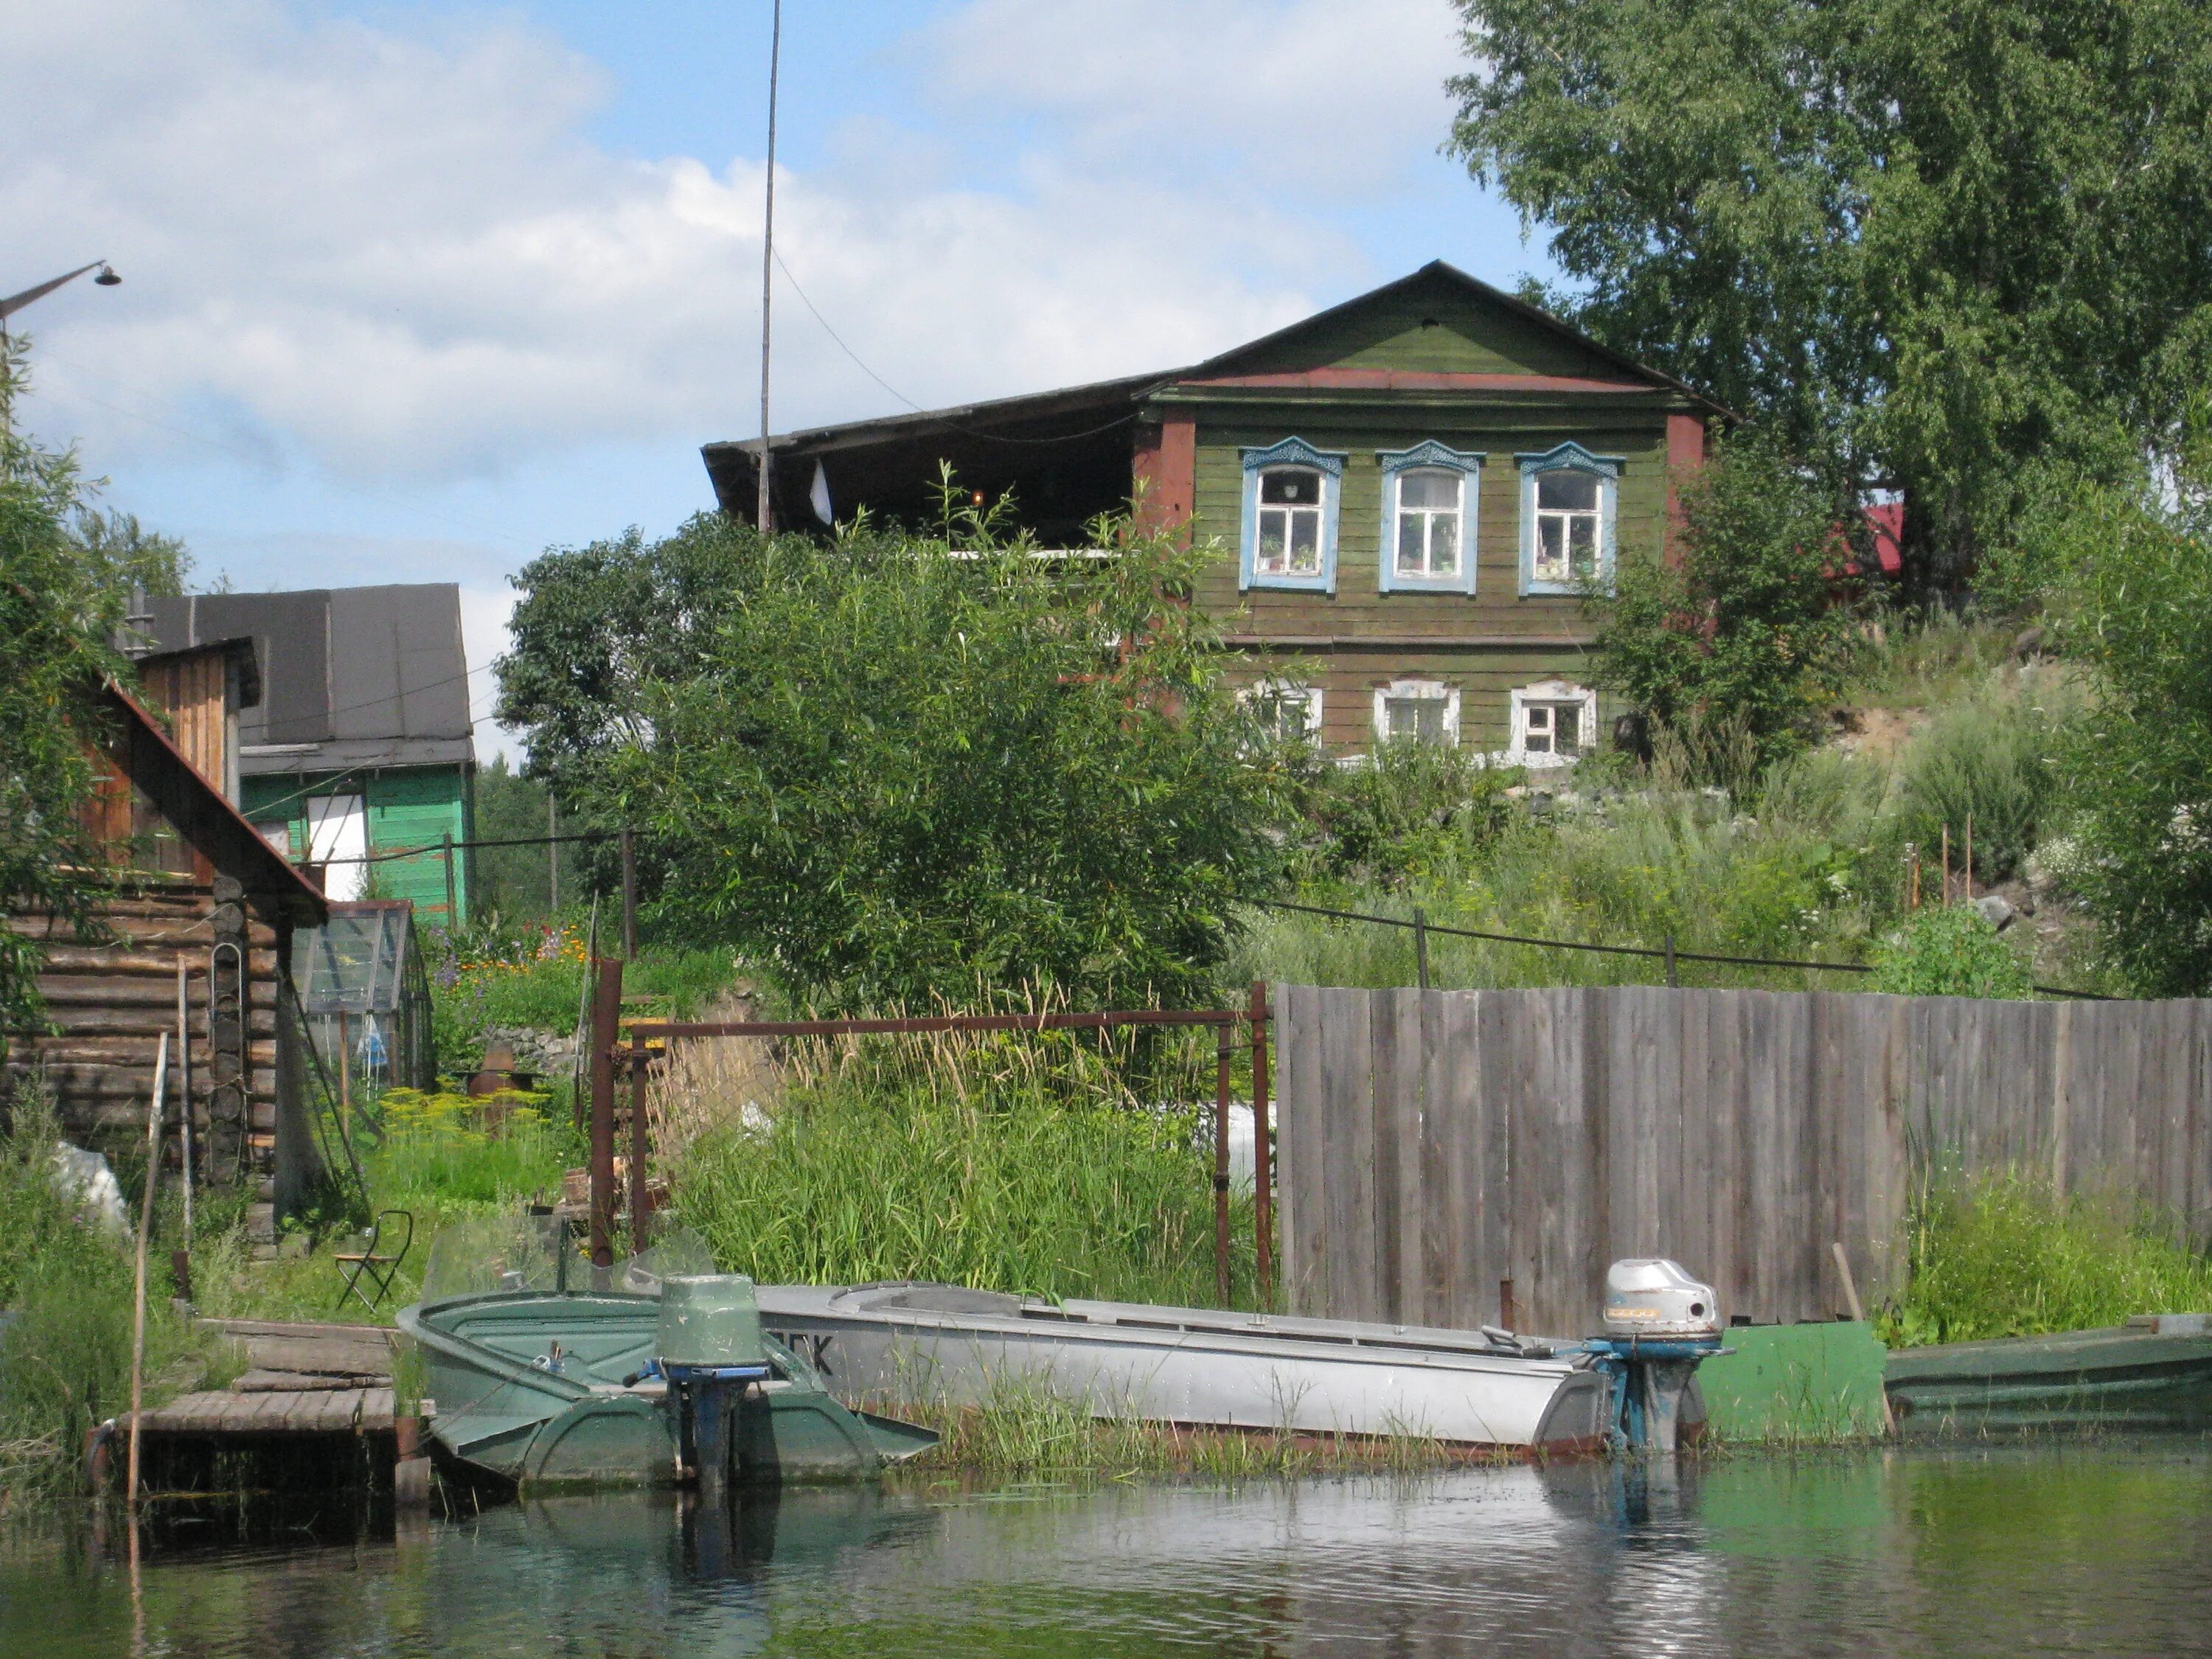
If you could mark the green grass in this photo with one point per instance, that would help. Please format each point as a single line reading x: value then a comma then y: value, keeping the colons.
x: 2006, y: 1257
x: 1928, y: 662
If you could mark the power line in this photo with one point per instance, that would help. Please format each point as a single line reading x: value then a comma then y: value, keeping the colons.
x: 1622, y: 949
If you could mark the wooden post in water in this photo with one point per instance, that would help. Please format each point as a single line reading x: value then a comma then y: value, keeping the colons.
x: 1263, y: 1184
x: 606, y: 1017
x: 145, y: 1235
x: 1221, y: 1165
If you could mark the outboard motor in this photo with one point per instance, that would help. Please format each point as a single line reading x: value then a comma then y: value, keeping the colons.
x: 1660, y: 1324
x: 709, y: 1348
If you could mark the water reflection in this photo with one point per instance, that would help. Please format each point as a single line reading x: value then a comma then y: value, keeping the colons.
x: 2022, y: 1550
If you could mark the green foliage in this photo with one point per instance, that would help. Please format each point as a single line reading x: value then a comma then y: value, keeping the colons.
x: 130, y: 554
x: 56, y: 609
x: 902, y: 776
x: 516, y: 883
x: 1949, y: 950
x: 2135, y: 568
x: 1929, y: 244
x: 1413, y: 810
x: 1746, y: 625
x: 1009, y: 1184
x: 2006, y: 1257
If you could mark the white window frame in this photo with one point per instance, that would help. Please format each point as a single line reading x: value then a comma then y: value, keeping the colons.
x: 1288, y: 691
x: 1291, y: 453
x: 1426, y: 690
x: 1570, y: 456
x: 1431, y: 456
x: 1549, y: 694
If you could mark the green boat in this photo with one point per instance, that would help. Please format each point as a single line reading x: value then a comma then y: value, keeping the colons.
x: 2153, y: 1372
x: 654, y: 1376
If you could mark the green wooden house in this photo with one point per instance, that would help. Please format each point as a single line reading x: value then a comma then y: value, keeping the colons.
x: 1411, y: 490
x: 361, y: 745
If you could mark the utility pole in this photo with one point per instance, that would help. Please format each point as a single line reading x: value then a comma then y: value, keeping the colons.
x: 767, y: 254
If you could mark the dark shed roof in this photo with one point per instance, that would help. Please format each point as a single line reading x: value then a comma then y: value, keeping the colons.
x: 351, y: 675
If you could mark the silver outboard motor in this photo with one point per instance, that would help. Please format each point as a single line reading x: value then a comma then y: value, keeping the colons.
x: 1660, y: 1326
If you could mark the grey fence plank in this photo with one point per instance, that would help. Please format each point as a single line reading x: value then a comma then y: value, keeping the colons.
x: 1347, y: 1070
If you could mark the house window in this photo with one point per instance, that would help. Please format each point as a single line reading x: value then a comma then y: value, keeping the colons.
x: 1285, y: 709
x: 1290, y: 522
x: 1416, y: 711
x: 1568, y: 497
x: 1290, y: 499
x: 278, y: 835
x: 1428, y: 517
x: 1554, y: 724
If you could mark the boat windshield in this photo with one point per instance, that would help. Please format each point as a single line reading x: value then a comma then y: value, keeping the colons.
x: 476, y: 1254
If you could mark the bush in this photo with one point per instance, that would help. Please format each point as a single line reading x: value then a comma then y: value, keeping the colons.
x: 1411, y: 810
x: 901, y: 774
x: 1949, y: 950
x: 1750, y: 622
x: 1986, y: 765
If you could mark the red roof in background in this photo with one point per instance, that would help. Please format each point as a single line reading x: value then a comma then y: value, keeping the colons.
x: 1887, y: 523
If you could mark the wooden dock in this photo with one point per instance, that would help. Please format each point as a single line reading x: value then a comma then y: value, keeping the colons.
x: 301, y: 1379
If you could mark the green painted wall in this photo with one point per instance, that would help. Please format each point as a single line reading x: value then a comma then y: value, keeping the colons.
x: 408, y: 806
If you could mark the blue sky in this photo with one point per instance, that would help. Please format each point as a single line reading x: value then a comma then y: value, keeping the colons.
x: 413, y: 291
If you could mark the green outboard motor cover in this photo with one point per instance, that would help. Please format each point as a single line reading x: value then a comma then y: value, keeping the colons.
x: 709, y: 1320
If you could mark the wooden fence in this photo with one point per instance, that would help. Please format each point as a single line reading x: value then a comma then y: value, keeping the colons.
x: 1439, y: 1146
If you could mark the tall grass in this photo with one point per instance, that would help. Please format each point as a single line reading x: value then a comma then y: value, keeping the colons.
x: 2005, y: 1255
x: 66, y: 1352
x: 976, y: 1163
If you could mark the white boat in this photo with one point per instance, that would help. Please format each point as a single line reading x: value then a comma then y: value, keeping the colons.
x: 912, y: 1343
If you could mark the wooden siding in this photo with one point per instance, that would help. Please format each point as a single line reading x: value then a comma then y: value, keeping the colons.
x: 192, y: 692
x: 1439, y: 327
x: 412, y: 807
x: 1483, y: 675
x: 1434, y: 1144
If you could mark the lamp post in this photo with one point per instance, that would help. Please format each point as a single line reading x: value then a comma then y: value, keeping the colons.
x: 15, y: 302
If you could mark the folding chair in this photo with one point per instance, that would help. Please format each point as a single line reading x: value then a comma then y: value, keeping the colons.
x: 372, y: 1264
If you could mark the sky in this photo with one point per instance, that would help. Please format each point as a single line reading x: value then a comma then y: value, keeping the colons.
x: 413, y: 292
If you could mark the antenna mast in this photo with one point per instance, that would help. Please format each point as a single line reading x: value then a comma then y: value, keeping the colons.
x: 767, y: 254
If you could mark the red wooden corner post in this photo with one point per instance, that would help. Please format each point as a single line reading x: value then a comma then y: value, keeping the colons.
x: 1686, y: 454
x: 1166, y: 475
x: 606, y: 1017
x: 1263, y: 1183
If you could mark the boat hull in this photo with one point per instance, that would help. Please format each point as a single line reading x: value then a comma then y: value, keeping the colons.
x: 2119, y: 1379
x: 913, y: 1344
x: 532, y: 1387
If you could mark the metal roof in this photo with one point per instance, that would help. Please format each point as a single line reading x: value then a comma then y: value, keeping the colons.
x: 351, y: 675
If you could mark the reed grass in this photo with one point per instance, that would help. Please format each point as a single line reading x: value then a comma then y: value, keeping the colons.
x: 1018, y: 1162
x: 2006, y: 1256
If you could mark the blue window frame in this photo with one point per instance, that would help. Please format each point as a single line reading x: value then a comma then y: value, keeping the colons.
x: 1430, y: 510
x: 1291, y: 494
x: 1570, y: 501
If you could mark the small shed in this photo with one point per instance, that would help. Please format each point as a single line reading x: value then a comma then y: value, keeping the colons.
x: 191, y: 885
x: 366, y: 994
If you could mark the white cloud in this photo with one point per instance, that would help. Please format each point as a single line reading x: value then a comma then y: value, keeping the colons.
x: 398, y: 257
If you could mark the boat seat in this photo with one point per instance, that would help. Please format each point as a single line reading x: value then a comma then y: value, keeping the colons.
x: 929, y: 1298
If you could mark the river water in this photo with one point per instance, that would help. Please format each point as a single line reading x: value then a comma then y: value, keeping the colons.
x: 2093, y: 1547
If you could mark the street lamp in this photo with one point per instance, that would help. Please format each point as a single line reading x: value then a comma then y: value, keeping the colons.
x: 15, y: 302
